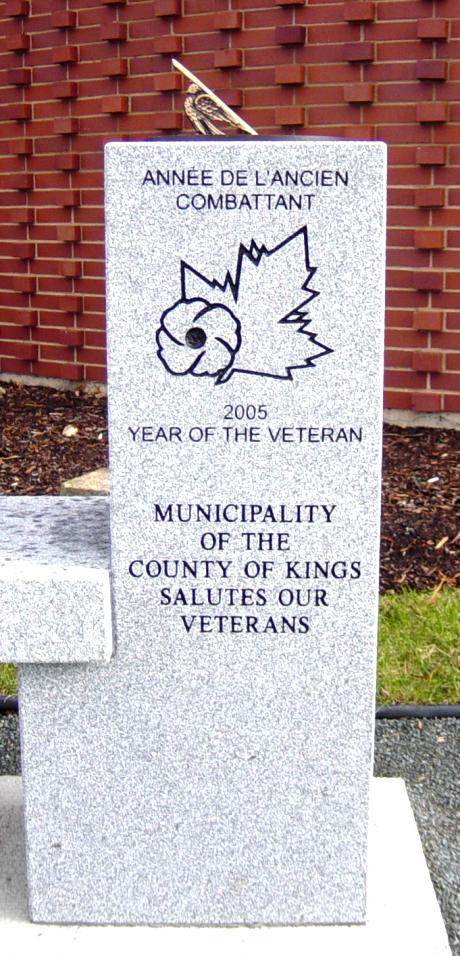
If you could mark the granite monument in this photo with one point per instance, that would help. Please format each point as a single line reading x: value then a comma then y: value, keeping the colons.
x: 222, y: 774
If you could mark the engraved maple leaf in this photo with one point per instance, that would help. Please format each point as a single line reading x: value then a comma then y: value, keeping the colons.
x: 269, y: 292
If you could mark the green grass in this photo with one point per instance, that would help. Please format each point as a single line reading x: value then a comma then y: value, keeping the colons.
x: 7, y: 679
x: 419, y: 649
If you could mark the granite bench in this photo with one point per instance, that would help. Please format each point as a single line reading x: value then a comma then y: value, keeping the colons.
x: 54, y: 580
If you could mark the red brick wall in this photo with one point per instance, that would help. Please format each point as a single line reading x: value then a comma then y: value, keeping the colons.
x: 75, y: 77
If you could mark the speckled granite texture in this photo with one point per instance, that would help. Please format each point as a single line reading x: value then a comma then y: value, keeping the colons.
x: 214, y: 787
x: 55, y: 603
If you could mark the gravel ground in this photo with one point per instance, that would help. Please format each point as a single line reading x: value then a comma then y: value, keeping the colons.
x: 427, y: 754
x: 9, y: 745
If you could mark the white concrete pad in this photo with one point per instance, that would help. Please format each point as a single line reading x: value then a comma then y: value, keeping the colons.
x: 403, y: 913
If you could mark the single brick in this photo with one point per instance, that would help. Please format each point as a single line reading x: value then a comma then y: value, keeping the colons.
x: 91, y: 355
x: 65, y: 125
x: 25, y: 283
x: 228, y: 20
x: 68, y: 197
x: 21, y: 76
x: 22, y: 214
x: 430, y: 155
x: 290, y: 74
x: 427, y: 320
x: 359, y: 93
x: 14, y: 366
x: 73, y: 338
x: 21, y: 181
x: 17, y: 42
x: 425, y: 361
x: 66, y: 370
x: 432, y: 28
x: 67, y: 90
x: 115, y: 66
x: 63, y: 19
x: 20, y: 147
x: 113, y: 31
x: 115, y: 104
x: 171, y: 120
x: 26, y: 250
x: 68, y: 233
x: 452, y: 403
x: 358, y: 52
x: 431, y: 70
x: 359, y: 132
x: 71, y: 268
x: 432, y: 112
x: 429, y: 196
x: 453, y: 362
x: 426, y: 402
x: 69, y: 161
x: 428, y: 281
x: 16, y: 8
x: 96, y: 374
x: 167, y: 44
x: 65, y: 54
x: 290, y: 3
x: 429, y: 239
x: 167, y: 8
x: 290, y: 116
x: 71, y: 303
x: 230, y: 96
x: 23, y: 317
x: 291, y: 36
x: 228, y: 59
x: 17, y: 111
x: 166, y: 82
x: 358, y: 12
x: 23, y: 350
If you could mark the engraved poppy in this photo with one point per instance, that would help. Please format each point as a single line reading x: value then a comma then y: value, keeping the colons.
x: 197, y: 337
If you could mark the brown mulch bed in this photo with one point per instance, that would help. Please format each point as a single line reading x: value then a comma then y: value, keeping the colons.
x: 421, y: 476
x: 35, y: 457
x: 420, y: 543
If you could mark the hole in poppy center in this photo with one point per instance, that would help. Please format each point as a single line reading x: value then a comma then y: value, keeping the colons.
x: 195, y: 337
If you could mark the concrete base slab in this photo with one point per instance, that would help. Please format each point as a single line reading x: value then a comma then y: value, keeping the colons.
x: 91, y: 483
x: 408, y: 419
x: 403, y: 913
